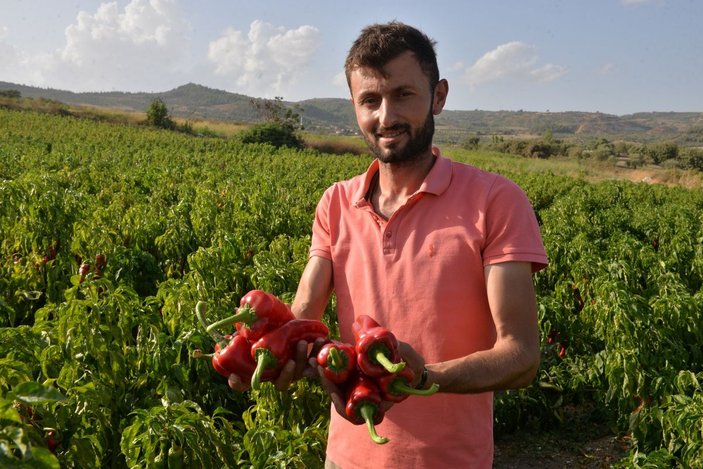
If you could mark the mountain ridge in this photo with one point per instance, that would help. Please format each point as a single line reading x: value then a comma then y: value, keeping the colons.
x: 192, y: 101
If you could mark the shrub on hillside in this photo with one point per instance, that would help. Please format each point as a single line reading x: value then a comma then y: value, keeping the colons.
x: 278, y: 135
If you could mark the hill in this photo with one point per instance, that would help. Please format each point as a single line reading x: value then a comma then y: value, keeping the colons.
x: 332, y: 115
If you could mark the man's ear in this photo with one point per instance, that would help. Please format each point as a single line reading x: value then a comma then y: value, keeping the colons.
x: 440, y: 96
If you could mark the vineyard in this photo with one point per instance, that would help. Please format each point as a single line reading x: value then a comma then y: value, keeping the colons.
x: 110, y: 234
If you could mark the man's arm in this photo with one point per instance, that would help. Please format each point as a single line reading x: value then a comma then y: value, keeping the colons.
x: 514, y: 359
x: 314, y: 289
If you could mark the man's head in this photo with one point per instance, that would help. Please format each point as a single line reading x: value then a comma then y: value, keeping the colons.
x: 396, y: 91
x: 379, y: 43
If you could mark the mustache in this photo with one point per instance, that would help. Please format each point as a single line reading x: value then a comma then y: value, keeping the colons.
x: 392, y: 128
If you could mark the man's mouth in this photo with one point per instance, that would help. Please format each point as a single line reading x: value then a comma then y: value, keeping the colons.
x: 391, y: 133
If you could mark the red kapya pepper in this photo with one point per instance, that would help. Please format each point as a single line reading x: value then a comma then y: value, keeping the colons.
x: 396, y: 387
x: 236, y: 359
x: 338, y: 360
x: 364, y: 406
x: 258, y: 313
x: 232, y: 352
x: 277, y: 347
x: 376, y: 348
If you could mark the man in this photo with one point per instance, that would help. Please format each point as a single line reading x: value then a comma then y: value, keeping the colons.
x: 440, y: 253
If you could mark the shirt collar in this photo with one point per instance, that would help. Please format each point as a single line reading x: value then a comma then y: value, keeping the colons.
x: 436, y: 181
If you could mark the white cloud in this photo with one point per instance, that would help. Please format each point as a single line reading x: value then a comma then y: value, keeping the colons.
x: 110, y: 48
x: 14, y: 65
x: 340, y: 81
x: 549, y: 72
x: 607, y: 69
x: 266, y: 60
x: 128, y: 49
x: 513, y: 60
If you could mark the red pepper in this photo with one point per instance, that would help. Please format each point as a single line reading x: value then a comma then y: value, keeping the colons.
x: 338, y: 360
x: 364, y: 406
x: 275, y: 348
x: 259, y: 312
x: 376, y: 348
x: 396, y: 387
x: 232, y: 352
x: 236, y: 359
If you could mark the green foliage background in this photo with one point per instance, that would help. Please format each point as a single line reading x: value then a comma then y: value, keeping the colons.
x: 99, y: 372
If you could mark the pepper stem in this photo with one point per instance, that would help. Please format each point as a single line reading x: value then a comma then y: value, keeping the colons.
x: 382, y: 359
x: 200, y: 309
x: 245, y: 314
x: 264, y: 360
x: 200, y: 355
x: 366, y: 412
x: 399, y: 386
x: 335, y: 359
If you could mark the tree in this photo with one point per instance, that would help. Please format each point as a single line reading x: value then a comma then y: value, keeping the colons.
x: 10, y: 94
x: 157, y: 115
x: 280, y: 125
x: 275, y: 111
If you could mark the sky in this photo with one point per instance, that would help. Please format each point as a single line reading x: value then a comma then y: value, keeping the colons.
x: 612, y: 56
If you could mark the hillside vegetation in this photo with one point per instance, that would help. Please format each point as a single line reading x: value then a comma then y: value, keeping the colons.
x: 332, y: 115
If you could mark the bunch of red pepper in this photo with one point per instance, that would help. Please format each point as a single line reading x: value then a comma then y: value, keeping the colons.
x: 369, y: 372
x: 267, y: 334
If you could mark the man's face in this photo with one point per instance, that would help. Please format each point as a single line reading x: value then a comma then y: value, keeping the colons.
x: 395, y: 112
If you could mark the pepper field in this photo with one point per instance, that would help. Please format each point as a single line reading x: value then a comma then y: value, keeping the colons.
x: 97, y: 370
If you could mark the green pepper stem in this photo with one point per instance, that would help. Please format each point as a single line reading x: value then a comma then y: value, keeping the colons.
x: 200, y: 355
x: 383, y: 360
x: 200, y: 309
x: 399, y: 386
x: 335, y: 359
x: 366, y: 412
x: 245, y: 314
x: 264, y: 360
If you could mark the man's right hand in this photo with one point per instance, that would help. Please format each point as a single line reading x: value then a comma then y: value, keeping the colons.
x: 295, y: 369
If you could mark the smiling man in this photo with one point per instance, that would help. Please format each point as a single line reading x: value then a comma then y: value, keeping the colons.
x: 439, y: 252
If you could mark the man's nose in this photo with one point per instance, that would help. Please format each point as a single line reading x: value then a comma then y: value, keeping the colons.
x: 387, y: 113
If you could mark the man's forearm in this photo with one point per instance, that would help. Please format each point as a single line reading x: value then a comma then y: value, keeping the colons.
x: 503, y: 367
x: 314, y: 289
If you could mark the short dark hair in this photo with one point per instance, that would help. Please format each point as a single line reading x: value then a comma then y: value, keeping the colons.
x: 378, y: 44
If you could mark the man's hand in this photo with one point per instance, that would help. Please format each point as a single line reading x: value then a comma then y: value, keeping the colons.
x: 413, y: 360
x: 291, y: 371
x: 300, y: 367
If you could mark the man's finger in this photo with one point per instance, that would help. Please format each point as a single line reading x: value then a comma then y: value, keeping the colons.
x: 236, y: 383
x: 286, y: 376
x: 301, y: 358
x: 334, y: 393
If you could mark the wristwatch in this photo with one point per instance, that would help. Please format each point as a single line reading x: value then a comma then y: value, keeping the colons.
x: 423, y: 378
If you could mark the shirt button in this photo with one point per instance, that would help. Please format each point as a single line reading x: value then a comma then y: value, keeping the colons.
x: 388, y: 234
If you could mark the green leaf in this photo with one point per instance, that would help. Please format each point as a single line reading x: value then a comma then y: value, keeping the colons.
x: 8, y: 413
x: 31, y: 392
x: 42, y: 458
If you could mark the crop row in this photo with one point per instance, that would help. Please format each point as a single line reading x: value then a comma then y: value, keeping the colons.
x: 97, y: 366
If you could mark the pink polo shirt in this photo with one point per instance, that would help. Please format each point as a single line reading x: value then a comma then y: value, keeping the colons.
x: 420, y: 274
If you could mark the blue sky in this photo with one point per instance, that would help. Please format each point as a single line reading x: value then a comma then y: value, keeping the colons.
x: 611, y: 56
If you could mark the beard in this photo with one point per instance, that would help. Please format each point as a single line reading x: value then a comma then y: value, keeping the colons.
x: 413, y: 150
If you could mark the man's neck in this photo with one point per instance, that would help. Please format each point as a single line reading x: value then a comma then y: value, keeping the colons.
x: 396, y: 183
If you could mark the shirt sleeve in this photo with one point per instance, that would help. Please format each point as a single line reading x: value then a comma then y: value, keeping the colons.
x: 321, y: 239
x: 512, y: 230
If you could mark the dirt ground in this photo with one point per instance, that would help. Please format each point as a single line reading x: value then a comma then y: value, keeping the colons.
x: 552, y: 451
